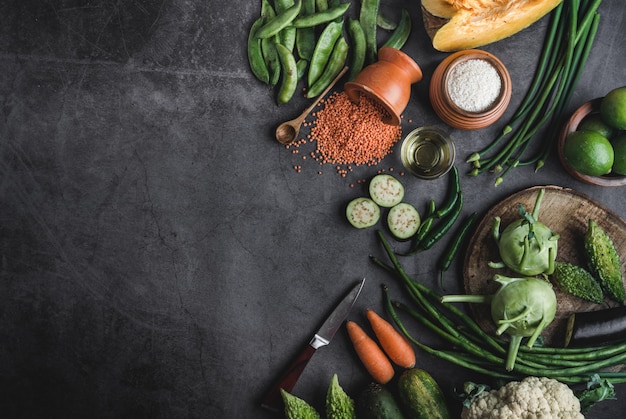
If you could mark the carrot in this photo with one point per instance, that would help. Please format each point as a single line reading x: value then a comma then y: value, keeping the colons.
x: 395, y: 345
x: 373, y: 358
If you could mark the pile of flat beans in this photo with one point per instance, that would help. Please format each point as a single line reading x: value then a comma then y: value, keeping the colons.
x: 294, y: 40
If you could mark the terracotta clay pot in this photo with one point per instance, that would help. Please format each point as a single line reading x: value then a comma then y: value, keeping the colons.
x: 387, y: 82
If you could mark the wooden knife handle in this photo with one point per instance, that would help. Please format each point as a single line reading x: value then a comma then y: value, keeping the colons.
x: 272, y: 399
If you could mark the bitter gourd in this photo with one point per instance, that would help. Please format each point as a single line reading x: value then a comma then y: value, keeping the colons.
x: 604, y: 262
x: 338, y: 404
x: 577, y: 281
x: 296, y: 408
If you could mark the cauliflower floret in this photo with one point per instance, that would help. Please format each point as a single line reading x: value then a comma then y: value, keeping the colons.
x: 531, y: 398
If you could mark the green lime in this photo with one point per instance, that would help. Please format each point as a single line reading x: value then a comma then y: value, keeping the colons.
x: 594, y: 122
x: 619, y: 146
x: 589, y: 153
x: 613, y: 108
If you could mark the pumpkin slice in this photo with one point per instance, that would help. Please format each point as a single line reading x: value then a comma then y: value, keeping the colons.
x: 465, y: 24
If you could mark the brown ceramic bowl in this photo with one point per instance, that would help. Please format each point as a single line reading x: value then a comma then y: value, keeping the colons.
x: 387, y: 82
x: 587, y: 108
x: 451, y: 113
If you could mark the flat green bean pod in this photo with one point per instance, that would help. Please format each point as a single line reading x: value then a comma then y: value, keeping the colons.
x: 335, y: 3
x: 321, y: 17
x: 305, y: 37
x: 268, y: 48
x: 287, y: 35
x: 385, y: 23
x: 399, y: 36
x: 323, y: 49
x: 301, y: 65
x: 321, y: 5
x: 255, y: 55
x: 335, y: 64
x: 367, y: 18
x: 280, y: 21
x: 270, y: 56
x: 289, y: 70
x: 357, y: 59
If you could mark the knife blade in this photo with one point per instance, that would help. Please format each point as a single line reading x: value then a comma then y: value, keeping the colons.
x: 272, y: 399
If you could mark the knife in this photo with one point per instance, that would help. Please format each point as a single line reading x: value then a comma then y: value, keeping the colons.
x: 272, y: 399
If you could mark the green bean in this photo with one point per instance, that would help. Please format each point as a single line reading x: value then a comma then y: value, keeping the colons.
x: 305, y: 37
x: 399, y: 37
x: 323, y: 48
x: 385, y: 23
x: 255, y: 54
x: 581, y: 59
x: 336, y: 62
x: 453, y: 249
x: 280, y: 21
x: 287, y: 35
x: 335, y: 3
x: 301, y: 65
x: 268, y: 48
x: 466, y: 339
x: 561, y: 62
x: 320, y: 18
x: 367, y: 17
x: 321, y: 5
x: 289, y: 70
x: 451, y: 357
x: 358, y: 48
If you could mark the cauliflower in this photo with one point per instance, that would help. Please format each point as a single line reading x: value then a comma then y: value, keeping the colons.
x: 531, y: 398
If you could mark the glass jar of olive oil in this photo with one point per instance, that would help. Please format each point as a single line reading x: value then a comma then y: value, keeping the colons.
x: 428, y: 152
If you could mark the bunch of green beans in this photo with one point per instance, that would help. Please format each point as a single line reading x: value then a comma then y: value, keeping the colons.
x: 296, y: 39
x: 474, y: 349
x: 569, y: 39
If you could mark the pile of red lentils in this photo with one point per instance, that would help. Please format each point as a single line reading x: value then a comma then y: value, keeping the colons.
x: 347, y: 135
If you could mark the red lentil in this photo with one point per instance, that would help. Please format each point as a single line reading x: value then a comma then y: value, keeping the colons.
x: 351, y: 134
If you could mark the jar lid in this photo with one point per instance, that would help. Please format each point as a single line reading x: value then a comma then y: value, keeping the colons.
x: 463, y: 115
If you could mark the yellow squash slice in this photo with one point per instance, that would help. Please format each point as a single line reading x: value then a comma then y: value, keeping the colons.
x: 464, y: 24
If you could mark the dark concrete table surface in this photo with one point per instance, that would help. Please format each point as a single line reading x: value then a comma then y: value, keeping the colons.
x: 160, y: 256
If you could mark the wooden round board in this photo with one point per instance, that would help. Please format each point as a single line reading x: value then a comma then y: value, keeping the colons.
x: 565, y: 212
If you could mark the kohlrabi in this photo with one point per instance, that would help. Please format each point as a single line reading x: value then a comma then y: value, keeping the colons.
x: 526, y: 245
x: 522, y: 307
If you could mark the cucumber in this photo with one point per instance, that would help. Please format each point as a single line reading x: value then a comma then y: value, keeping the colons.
x: 420, y: 395
x: 403, y: 220
x: 386, y: 190
x: 377, y: 402
x: 362, y: 212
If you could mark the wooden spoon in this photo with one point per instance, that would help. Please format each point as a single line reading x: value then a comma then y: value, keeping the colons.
x: 288, y: 131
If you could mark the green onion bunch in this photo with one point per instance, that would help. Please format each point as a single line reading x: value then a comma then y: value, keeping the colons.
x: 569, y: 39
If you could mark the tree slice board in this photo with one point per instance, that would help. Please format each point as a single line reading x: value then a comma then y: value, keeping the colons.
x: 564, y: 211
